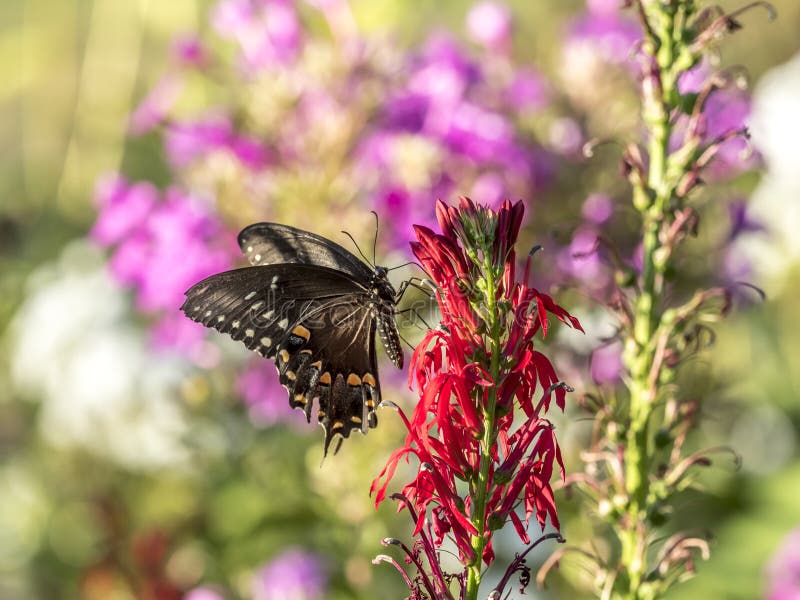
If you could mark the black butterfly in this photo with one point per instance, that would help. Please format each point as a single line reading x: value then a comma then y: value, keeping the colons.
x: 313, y: 307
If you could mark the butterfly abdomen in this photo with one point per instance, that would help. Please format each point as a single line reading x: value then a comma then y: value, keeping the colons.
x: 387, y: 330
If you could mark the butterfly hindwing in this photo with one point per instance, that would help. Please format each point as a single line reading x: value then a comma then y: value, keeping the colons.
x: 315, y: 322
x: 330, y: 356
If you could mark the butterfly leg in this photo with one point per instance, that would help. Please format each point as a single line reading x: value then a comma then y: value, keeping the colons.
x: 412, y: 282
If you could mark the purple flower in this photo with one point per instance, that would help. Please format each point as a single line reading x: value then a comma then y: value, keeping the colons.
x: 480, y: 134
x: 741, y: 221
x: 293, y: 575
x: 489, y: 189
x: 606, y: 364
x: 692, y: 81
x: 725, y: 110
x: 528, y: 91
x: 467, y: 124
x: 489, y: 23
x: 582, y: 260
x: 444, y: 72
x: 597, y: 208
x: 728, y: 110
x: 407, y: 207
x: 605, y: 33
x: 259, y: 387
x: 406, y: 111
x: 783, y: 571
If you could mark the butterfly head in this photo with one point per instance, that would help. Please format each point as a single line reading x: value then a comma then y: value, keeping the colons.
x: 381, y: 285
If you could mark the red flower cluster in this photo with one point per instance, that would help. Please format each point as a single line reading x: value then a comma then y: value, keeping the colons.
x: 477, y: 462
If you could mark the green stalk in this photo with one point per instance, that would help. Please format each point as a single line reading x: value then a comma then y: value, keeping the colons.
x: 639, y: 354
x: 480, y: 484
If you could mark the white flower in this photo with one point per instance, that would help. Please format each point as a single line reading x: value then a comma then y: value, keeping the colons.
x: 100, y: 386
x: 775, y: 127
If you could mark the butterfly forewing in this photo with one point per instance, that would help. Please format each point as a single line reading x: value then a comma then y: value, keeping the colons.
x: 273, y: 243
x: 316, y: 322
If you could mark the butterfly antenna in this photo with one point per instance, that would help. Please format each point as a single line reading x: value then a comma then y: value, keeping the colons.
x: 411, y: 262
x: 369, y: 262
x: 375, y: 241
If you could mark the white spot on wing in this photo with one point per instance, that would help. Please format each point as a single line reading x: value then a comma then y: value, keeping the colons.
x: 249, y: 333
x: 258, y: 305
x: 283, y: 323
x: 235, y: 325
x: 265, y: 341
x: 250, y: 296
x: 257, y: 257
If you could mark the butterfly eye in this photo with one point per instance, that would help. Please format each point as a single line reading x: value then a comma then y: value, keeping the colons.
x: 380, y: 271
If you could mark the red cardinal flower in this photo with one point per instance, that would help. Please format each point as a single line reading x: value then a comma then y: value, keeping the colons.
x: 479, y: 433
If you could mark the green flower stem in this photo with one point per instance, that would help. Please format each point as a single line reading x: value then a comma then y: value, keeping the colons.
x: 662, y: 43
x: 480, y: 483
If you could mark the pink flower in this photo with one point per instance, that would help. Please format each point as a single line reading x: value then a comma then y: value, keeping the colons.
x: 122, y: 208
x: 489, y: 23
x: 203, y: 593
x: 188, y: 141
x: 293, y: 575
x: 153, y: 110
x: 268, y: 32
x: 161, y: 245
x: 189, y: 51
x: 783, y: 570
x: 260, y: 389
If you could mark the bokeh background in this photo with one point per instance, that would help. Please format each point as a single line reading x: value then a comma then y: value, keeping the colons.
x: 142, y: 458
